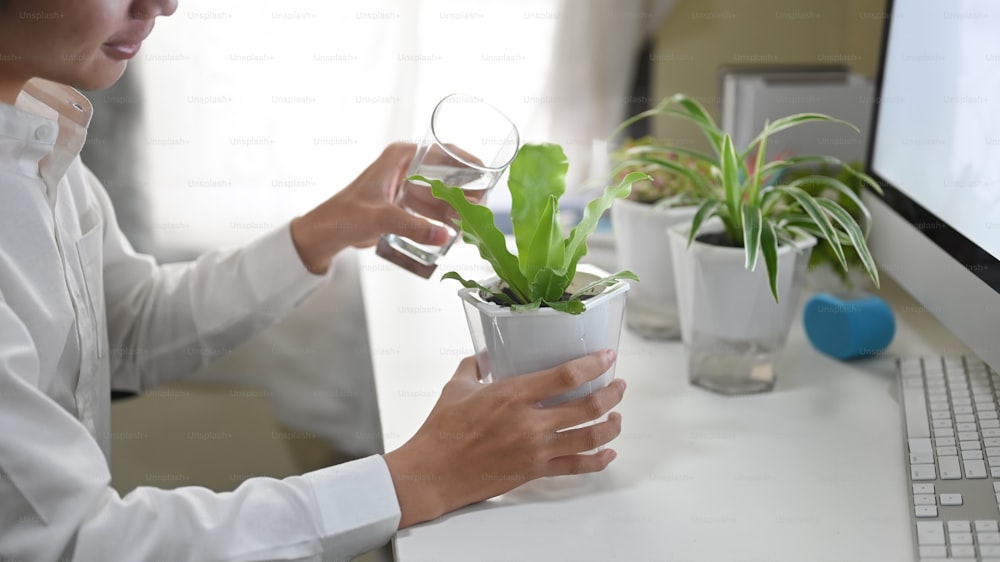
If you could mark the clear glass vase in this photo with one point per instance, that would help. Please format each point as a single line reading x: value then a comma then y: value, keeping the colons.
x: 731, y: 326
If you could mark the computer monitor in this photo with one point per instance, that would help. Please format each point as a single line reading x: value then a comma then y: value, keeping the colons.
x: 935, y: 147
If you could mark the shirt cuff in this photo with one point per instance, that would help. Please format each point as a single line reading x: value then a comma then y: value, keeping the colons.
x: 275, y: 268
x: 358, y: 509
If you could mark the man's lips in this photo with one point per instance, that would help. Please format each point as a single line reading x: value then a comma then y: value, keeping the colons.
x: 126, y: 45
x: 121, y: 51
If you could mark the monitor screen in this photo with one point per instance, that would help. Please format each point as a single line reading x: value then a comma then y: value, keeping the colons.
x: 935, y: 148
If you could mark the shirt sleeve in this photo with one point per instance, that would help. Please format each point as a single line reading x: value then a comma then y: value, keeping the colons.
x: 167, y: 321
x: 57, y: 502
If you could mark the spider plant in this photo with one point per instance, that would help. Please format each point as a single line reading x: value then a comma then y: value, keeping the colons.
x: 758, y: 210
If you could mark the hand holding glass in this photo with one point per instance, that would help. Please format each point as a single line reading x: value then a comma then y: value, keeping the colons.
x: 469, y: 145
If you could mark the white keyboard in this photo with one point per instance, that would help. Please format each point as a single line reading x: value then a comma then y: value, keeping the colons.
x: 952, y: 436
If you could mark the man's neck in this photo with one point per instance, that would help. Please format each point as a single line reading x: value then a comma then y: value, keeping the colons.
x: 10, y: 88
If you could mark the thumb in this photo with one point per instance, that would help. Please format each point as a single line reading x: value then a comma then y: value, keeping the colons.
x: 395, y: 220
x: 468, y: 370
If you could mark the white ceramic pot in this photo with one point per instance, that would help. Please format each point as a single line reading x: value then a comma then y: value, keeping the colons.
x: 642, y: 246
x: 509, y: 343
x: 731, y: 327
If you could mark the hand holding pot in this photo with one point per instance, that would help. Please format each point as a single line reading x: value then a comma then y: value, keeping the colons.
x: 363, y: 211
x: 480, y: 440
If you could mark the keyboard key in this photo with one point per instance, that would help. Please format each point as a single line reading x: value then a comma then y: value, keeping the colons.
x: 950, y: 499
x: 950, y: 469
x: 945, y: 424
x: 930, y: 532
x: 916, y: 413
x: 969, y: 436
x: 933, y: 551
x: 989, y: 549
x: 967, y: 427
x: 945, y: 452
x: 991, y: 441
x: 966, y: 455
x: 931, y: 511
x: 967, y: 409
x: 982, y: 538
x: 929, y: 488
x: 924, y: 472
x: 969, y: 445
x: 985, y: 423
x: 965, y: 418
x: 975, y: 469
x: 960, y: 538
x: 990, y: 433
x: 959, y: 526
x: 986, y: 526
x: 963, y: 551
x: 924, y: 499
x: 993, y: 452
x: 920, y: 445
x: 945, y: 441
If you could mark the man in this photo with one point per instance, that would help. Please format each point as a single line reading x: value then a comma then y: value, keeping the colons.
x: 81, y: 313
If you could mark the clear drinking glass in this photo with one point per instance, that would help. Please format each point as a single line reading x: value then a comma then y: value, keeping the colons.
x: 469, y: 145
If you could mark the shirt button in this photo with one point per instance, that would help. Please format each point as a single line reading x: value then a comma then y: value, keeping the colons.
x: 45, y: 133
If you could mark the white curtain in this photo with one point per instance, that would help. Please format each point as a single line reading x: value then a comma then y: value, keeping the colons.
x: 258, y: 109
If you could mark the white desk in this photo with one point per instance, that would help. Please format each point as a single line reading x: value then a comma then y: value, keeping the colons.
x: 811, y: 471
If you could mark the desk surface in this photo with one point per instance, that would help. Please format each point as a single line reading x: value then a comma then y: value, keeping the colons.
x: 811, y: 471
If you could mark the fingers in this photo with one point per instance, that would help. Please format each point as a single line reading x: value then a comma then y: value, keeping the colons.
x: 580, y: 464
x: 557, y: 380
x: 584, y: 439
x: 590, y: 407
x: 397, y: 221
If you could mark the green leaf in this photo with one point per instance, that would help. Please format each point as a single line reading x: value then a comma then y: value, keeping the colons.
x: 757, y: 175
x: 549, y: 285
x: 666, y: 151
x: 695, y: 178
x: 853, y: 231
x: 569, y: 307
x: 731, y: 181
x: 684, y: 107
x: 546, y: 249
x: 477, y: 222
x: 502, y: 297
x: 788, y: 122
x: 816, y: 214
x: 839, y: 186
x: 533, y: 305
x: 604, y: 281
x: 751, y: 234
x: 537, y: 173
x: 576, y: 243
x: 706, y: 210
x: 769, y: 247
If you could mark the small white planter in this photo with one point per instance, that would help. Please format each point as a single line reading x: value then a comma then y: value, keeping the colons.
x: 509, y: 343
x: 731, y: 327
x: 642, y: 246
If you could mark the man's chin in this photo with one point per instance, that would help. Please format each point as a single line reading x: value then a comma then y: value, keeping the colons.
x: 103, y: 79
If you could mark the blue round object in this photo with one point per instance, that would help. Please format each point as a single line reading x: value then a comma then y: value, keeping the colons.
x: 847, y: 329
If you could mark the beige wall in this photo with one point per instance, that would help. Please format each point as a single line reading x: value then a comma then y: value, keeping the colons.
x: 701, y: 35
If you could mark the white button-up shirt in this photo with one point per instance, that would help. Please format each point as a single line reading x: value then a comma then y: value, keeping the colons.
x: 82, y: 313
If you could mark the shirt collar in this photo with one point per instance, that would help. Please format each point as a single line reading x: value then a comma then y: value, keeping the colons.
x: 45, y: 131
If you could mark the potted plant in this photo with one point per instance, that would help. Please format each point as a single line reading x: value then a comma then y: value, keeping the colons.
x: 734, y: 317
x: 640, y: 224
x: 540, y: 309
